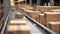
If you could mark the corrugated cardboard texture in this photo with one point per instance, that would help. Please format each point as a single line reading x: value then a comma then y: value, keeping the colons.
x: 45, y: 8
x: 25, y: 30
x: 52, y: 17
x: 42, y: 19
x: 55, y: 26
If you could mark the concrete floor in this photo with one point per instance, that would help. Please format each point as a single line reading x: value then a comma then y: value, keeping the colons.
x: 33, y: 29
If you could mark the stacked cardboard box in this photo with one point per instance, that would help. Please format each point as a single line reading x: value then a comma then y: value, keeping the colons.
x: 52, y: 16
x: 18, y: 22
x: 41, y: 19
x: 28, y: 12
x: 26, y: 7
x: 45, y: 8
x: 55, y: 26
x: 34, y: 14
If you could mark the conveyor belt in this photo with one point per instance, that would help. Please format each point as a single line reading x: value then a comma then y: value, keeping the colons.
x: 31, y: 23
x: 32, y: 27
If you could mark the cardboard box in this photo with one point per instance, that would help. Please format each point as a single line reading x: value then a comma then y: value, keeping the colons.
x: 12, y: 29
x: 18, y: 15
x: 45, y: 8
x: 34, y: 14
x: 56, y: 10
x: 18, y: 22
x: 28, y: 12
x: 41, y: 19
x: 21, y: 29
x: 24, y: 29
x: 55, y: 26
x: 52, y: 16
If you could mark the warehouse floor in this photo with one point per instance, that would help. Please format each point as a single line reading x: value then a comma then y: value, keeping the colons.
x: 32, y: 27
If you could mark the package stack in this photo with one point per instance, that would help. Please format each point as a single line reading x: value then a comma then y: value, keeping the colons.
x: 18, y: 26
x: 24, y: 7
x: 45, y: 8
x: 53, y: 21
x: 28, y: 12
x: 52, y: 16
x: 32, y: 14
x: 54, y: 26
x: 41, y: 19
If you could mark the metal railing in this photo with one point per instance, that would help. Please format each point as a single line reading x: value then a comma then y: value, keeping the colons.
x: 5, y: 25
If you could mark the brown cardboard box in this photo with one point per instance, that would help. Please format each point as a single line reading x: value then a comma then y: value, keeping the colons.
x: 18, y: 22
x: 28, y: 12
x: 55, y: 26
x: 41, y: 19
x: 12, y: 29
x: 26, y: 6
x: 45, y: 8
x: 24, y: 29
x: 34, y: 14
x: 52, y: 16
x: 56, y: 10
x: 18, y: 15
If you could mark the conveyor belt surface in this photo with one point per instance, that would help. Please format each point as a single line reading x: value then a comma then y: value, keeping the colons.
x: 32, y: 27
x: 35, y: 27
